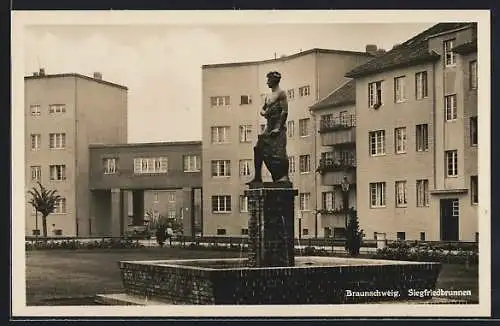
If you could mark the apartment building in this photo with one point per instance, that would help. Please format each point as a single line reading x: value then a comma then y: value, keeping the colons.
x: 336, y: 142
x: 416, y: 139
x: 63, y: 114
x: 233, y: 95
x: 132, y: 184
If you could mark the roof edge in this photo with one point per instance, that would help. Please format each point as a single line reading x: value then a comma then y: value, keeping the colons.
x: 431, y: 57
x: 291, y: 56
x: 331, y: 106
x: 317, y: 105
x: 73, y: 74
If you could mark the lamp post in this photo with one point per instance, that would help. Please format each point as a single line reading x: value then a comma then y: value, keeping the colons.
x: 345, y: 191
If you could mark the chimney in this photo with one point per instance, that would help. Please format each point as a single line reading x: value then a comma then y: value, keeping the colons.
x: 371, y: 48
x: 42, y: 72
x: 97, y: 75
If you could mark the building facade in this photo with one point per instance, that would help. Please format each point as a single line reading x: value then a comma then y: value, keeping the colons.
x: 63, y: 114
x: 134, y: 183
x: 335, y: 116
x: 416, y: 139
x: 233, y: 95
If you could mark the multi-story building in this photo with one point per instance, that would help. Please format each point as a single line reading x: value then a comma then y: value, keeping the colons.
x: 416, y: 139
x: 131, y: 183
x: 233, y: 94
x: 63, y: 114
x: 336, y: 138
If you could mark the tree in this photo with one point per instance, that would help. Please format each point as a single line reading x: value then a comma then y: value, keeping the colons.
x: 161, y: 224
x: 44, y: 201
x: 353, y: 234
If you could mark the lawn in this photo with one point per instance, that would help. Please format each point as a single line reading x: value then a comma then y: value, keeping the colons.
x: 81, y: 274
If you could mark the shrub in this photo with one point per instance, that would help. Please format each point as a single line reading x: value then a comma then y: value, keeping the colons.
x: 76, y: 244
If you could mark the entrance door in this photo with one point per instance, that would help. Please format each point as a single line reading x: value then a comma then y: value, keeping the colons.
x: 449, y: 219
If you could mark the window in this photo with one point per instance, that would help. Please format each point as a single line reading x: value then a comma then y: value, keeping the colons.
x: 219, y: 100
x: 57, y: 108
x: 400, y: 140
x: 421, y: 90
x: 326, y: 119
x: 109, y: 165
x: 36, y: 173
x: 245, y: 133
x: 422, y: 193
x: 401, y: 191
x: 399, y: 89
x: 35, y: 110
x: 171, y: 197
x: 221, y: 204
x: 422, y: 236
x: 290, y: 128
x: 304, y: 91
x: 150, y: 165
x: 474, y: 189
x: 305, y: 231
x: 375, y: 94
x: 449, y: 56
x: 245, y: 166
x: 304, y: 127
x: 328, y: 200
x: 473, y: 74
x: 220, y: 135
x: 57, y: 141
x: 422, y: 136
x: 172, y: 215
x: 473, y: 131
x: 192, y: 163
x: 60, y: 206
x: 36, y: 141
x: 244, y: 231
x: 305, y: 198
x: 155, y: 198
x: 290, y: 94
x: 57, y: 172
x: 291, y: 164
x: 305, y: 163
x: 455, y: 208
x: 221, y: 168
x: 377, y: 142
x: 243, y: 204
x: 377, y: 194
x: 401, y: 236
x: 221, y: 231
x: 450, y: 106
x: 246, y: 99
x: 451, y: 163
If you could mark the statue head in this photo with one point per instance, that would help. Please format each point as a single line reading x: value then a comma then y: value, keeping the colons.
x: 273, y: 78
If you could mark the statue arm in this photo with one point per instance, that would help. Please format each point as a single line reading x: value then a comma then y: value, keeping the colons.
x: 284, y: 109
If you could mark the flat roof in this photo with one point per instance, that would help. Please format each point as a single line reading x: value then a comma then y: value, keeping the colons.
x: 286, y: 57
x: 76, y: 75
x: 153, y: 144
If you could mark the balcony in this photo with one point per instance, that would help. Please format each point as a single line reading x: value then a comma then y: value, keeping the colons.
x: 331, y: 125
x: 334, y: 178
x: 341, y: 137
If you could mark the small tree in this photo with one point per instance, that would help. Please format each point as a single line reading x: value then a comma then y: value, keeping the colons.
x: 353, y: 234
x: 44, y: 201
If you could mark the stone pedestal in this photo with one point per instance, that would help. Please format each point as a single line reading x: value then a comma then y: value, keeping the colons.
x: 271, y: 224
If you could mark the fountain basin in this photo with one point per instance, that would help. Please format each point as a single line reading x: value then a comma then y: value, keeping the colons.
x: 313, y: 280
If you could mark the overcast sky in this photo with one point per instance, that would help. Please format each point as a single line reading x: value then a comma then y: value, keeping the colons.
x: 161, y: 65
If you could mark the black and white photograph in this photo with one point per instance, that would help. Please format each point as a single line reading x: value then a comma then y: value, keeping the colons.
x: 247, y: 163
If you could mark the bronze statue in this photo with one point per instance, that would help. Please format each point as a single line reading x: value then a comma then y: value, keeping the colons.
x: 271, y: 144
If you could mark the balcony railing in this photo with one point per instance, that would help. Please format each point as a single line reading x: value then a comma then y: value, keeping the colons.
x: 332, y: 164
x: 347, y: 122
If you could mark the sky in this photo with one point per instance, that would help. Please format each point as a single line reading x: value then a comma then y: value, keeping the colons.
x: 161, y: 64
